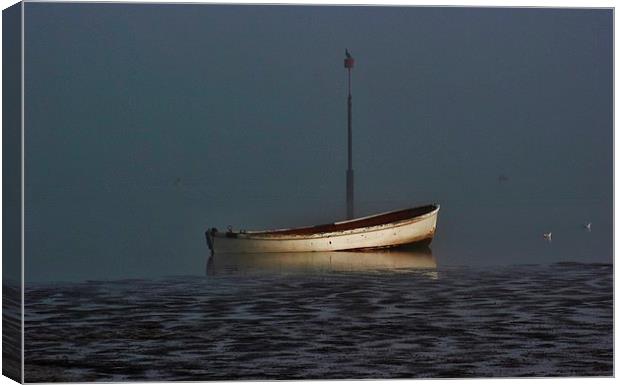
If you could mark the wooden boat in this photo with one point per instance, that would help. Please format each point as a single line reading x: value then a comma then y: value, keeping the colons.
x: 394, y: 228
x: 389, y: 229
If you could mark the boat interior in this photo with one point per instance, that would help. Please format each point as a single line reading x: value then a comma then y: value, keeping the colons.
x: 374, y: 220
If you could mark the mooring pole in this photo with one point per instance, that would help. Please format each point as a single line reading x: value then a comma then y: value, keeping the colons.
x: 348, y: 64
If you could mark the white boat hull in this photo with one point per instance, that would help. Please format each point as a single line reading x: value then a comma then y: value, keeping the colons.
x: 412, y: 230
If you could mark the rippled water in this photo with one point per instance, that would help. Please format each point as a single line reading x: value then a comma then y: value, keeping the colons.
x: 318, y: 317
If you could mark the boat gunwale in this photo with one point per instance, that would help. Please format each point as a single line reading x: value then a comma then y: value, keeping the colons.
x: 274, y: 235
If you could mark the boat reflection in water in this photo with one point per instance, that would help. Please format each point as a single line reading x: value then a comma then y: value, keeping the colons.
x: 387, y: 260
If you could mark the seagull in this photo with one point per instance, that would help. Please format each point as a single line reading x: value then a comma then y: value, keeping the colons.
x: 588, y: 226
x: 547, y: 236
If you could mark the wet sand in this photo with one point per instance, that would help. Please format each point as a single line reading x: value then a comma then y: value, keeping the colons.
x: 443, y: 322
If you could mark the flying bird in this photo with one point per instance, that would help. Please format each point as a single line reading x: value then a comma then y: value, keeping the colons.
x: 547, y: 236
x: 588, y: 226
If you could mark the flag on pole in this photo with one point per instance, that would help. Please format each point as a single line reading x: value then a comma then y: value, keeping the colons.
x: 348, y: 61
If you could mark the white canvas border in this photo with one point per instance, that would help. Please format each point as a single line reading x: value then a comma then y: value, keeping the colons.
x: 478, y: 3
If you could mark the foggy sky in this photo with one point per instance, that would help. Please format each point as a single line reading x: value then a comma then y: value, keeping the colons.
x: 146, y: 124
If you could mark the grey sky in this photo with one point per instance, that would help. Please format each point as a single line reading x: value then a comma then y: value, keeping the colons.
x: 146, y: 124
